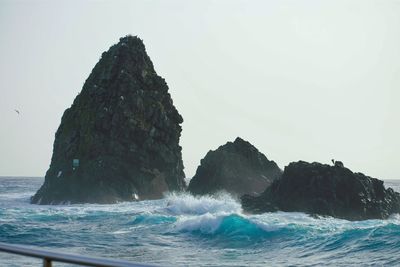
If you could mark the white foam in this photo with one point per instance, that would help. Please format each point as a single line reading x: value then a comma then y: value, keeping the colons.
x: 206, y: 223
x: 395, y: 219
x: 120, y: 232
x: 180, y: 204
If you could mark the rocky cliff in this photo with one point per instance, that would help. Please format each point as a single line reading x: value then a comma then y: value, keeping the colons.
x: 326, y: 190
x: 236, y: 167
x: 119, y: 140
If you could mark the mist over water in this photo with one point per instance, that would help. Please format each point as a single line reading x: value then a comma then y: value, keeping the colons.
x: 191, y: 231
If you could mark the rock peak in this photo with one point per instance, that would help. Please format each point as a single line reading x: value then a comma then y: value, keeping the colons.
x: 241, y: 143
x: 124, y: 62
x: 239, y: 140
x: 131, y: 40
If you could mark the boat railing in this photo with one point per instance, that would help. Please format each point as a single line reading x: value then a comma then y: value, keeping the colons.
x: 49, y: 257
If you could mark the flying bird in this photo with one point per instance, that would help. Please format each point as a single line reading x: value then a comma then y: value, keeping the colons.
x: 16, y: 110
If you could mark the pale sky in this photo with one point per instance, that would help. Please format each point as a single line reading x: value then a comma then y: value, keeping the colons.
x: 301, y: 79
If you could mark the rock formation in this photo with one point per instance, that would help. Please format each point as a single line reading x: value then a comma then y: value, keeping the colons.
x: 238, y: 168
x: 321, y: 189
x: 119, y: 140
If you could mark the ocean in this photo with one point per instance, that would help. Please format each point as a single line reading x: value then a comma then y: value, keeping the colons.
x: 182, y: 230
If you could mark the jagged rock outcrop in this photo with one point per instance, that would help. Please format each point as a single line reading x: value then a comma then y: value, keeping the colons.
x: 119, y: 140
x: 236, y: 167
x: 321, y: 189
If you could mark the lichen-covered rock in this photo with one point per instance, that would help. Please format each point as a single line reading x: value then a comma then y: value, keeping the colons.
x: 236, y: 167
x: 321, y: 189
x: 123, y: 132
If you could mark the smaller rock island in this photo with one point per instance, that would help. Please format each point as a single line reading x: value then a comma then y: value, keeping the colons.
x: 321, y: 189
x: 236, y: 167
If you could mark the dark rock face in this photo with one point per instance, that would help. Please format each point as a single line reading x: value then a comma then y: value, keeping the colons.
x: 326, y: 190
x: 124, y: 130
x: 238, y: 168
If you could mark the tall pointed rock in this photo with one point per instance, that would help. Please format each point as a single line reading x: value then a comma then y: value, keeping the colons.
x: 119, y: 140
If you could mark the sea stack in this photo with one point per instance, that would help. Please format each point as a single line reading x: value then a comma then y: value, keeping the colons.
x: 119, y: 141
x: 321, y: 189
x: 237, y: 168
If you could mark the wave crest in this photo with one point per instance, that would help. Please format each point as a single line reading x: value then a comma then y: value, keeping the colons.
x: 184, y: 204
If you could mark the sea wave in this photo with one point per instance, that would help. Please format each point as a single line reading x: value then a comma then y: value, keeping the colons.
x: 192, y: 230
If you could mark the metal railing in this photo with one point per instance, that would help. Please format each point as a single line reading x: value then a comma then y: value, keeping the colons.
x: 49, y: 257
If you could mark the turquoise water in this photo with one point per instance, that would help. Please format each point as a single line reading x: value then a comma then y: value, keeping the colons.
x: 182, y: 230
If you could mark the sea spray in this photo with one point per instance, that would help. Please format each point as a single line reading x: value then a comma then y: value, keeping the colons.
x: 183, y: 203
